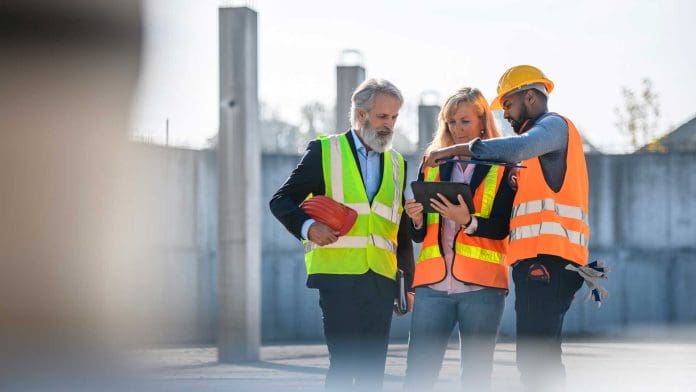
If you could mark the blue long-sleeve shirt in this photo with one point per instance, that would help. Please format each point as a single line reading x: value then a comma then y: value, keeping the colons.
x: 547, y: 139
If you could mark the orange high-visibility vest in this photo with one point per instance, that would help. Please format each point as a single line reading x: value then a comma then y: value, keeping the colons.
x: 548, y: 222
x: 477, y: 260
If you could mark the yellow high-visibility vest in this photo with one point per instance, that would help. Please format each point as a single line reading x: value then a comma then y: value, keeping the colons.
x: 371, y: 242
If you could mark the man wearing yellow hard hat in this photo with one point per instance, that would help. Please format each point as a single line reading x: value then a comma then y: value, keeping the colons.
x: 549, y: 227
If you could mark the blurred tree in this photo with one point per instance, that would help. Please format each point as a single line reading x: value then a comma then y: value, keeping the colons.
x: 316, y: 120
x: 639, y: 116
x: 277, y: 135
x: 402, y: 143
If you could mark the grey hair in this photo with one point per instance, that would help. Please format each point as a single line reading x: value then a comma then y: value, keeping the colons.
x: 364, y: 97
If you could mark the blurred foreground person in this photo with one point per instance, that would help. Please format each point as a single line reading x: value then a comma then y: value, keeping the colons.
x: 68, y: 70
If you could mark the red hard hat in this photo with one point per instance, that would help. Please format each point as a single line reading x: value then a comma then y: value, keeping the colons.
x: 337, y: 216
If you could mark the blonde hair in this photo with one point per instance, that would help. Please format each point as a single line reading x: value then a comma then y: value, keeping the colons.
x: 469, y: 95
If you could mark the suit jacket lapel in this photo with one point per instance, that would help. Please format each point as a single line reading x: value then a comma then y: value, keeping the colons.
x: 446, y: 171
x: 353, y: 149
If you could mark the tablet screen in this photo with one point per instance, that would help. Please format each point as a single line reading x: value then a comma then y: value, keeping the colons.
x: 424, y: 191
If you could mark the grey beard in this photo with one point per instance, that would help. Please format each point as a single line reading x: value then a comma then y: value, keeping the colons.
x: 373, y: 140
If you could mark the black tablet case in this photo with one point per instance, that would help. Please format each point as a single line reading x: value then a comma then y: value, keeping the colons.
x: 424, y: 191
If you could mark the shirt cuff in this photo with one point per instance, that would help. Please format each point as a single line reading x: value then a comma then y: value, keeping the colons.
x: 474, y: 145
x: 472, y: 227
x: 305, y: 228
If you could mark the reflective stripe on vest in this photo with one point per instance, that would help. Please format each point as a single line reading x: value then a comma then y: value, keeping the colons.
x: 371, y: 242
x: 548, y: 204
x: 551, y: 228
x: 431, y: 248
x: 429, y: 252
x: 355, y: 242
x: 474, y: 252
x: 489, y: 191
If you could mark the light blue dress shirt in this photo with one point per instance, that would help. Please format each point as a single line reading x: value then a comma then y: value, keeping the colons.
x: 368, y: 161
x: 369, y: 166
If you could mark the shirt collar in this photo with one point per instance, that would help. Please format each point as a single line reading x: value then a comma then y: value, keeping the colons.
x: 359, y: 146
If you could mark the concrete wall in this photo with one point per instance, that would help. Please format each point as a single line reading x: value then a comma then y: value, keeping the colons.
x: 173, y: 296
x: 643, y: 218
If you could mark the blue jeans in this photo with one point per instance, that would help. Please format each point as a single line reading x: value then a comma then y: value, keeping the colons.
x: 435, y: 313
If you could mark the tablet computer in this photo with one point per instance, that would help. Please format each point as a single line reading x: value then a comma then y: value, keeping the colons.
x: 424, y: 191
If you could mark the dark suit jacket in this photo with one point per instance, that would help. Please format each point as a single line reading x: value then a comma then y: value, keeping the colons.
x: 497, y: 226
x: 308, y: 178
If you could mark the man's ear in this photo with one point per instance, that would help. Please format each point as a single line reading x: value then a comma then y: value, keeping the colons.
x: 530, y: 97
x: 361, y: 115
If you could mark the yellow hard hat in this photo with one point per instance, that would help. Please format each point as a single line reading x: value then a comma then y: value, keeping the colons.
x: 516, y: 78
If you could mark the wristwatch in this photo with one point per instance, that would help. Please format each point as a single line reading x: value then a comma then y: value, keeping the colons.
x: 467, y: 224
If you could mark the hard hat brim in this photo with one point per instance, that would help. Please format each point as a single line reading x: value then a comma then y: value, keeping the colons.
x: 497, y: 102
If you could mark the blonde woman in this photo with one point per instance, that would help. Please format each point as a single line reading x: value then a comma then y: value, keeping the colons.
x: 461, y: 277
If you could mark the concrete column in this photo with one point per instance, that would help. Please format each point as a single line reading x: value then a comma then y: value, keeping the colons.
x: 349, y: 74
x: 428, y: 110
x: 239, y: 154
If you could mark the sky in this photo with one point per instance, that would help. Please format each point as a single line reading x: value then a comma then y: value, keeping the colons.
x: 590, y: 49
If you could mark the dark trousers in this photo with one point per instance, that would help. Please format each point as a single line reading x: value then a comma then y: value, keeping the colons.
x: 540, y: 306
x: 357, y: 318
